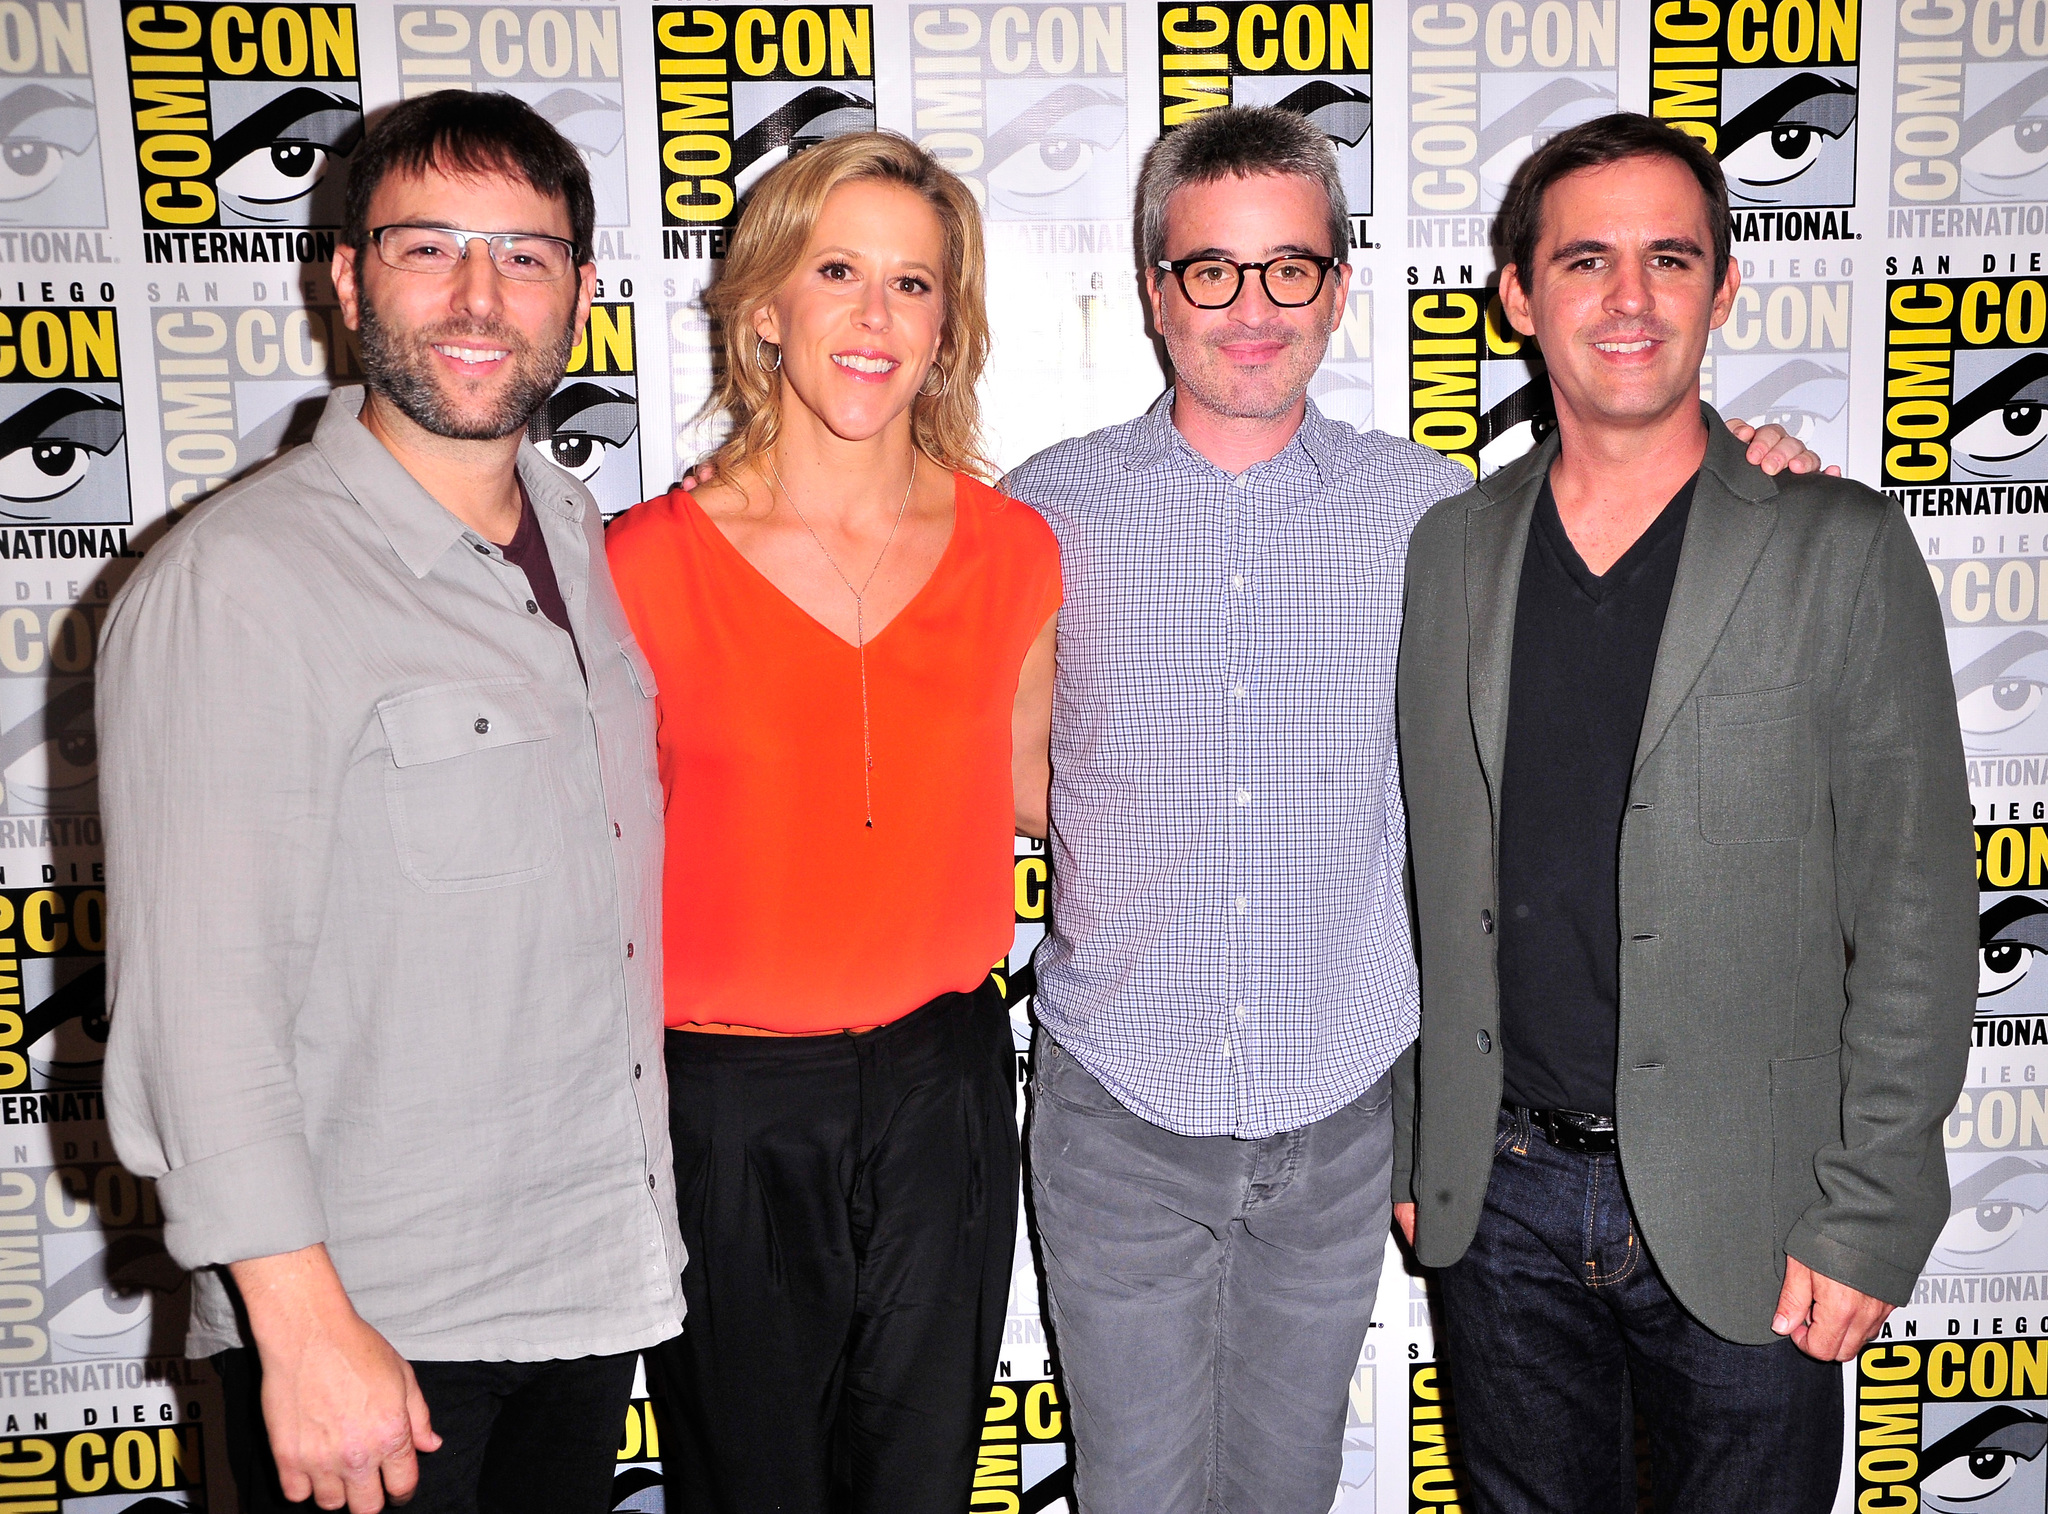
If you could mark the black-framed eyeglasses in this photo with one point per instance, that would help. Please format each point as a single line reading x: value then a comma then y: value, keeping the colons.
x: 524, y: 255
x: 1212, y: 283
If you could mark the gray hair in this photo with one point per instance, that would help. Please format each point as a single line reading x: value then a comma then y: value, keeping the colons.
x: 1237, y: 142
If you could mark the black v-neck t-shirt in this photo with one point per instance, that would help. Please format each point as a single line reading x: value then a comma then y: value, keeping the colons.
x: 1585, y: 648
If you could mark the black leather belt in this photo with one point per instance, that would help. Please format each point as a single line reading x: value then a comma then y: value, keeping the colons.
x: 1571, y: 1129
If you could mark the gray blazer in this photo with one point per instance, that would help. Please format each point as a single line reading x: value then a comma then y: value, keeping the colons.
x: 1798, y: 899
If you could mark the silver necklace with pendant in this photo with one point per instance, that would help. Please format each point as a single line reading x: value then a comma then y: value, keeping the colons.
x: 860, y: 629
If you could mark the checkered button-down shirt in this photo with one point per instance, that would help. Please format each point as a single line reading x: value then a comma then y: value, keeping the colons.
x: 1230, y: 952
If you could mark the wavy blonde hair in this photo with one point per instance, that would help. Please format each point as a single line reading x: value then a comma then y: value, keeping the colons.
x: 765, y: 250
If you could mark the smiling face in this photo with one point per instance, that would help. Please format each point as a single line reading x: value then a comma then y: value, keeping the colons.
x: 466, y: 354
x: 859, y: 322
x: 1620, y: 293
x: 1251, y: 360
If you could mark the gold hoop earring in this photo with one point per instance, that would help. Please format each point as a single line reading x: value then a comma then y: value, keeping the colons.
x: 766, y: 367
x: 925, y: 388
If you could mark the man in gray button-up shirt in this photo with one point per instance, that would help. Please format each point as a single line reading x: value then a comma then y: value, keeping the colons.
x: 384, y: 866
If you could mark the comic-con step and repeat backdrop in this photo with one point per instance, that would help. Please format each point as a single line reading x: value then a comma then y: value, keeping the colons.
x: 170, y: 177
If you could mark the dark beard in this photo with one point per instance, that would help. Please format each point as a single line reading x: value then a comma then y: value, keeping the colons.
x: 399, y: 365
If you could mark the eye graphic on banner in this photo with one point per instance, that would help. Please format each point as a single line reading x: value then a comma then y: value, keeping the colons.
x: 1487, y: 87
x: 1027, y: 104
x: 244, y: 117
x: 50, y: 171
x: 1772, y: 94
x: 590, y: 426
x: 1782, y: 358
x: 743, y: 88
x: 563, y: 62
x: 1315, y: 60
x: 1953, y: 1425
x: 1970, y: 132
x: 1966, y: 393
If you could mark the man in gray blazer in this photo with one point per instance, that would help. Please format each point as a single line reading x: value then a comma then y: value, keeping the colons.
x: 1692, y: 858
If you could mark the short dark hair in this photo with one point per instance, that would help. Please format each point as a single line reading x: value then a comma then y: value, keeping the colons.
x: 1237, y: 142
x: 455, y: 132
x: 1594, y: 144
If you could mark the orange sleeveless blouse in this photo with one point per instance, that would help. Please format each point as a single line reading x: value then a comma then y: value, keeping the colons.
x: 781, y: 910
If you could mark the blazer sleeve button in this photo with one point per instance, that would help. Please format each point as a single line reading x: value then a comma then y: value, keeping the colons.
x: 1485, y: 1042
x: 1486, y: 921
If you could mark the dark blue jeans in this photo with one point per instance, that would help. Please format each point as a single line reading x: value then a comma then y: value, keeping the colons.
x: 1558, y: 1332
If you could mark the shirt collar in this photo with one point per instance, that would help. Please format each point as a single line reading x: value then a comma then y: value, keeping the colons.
x: 1154, y: 438
x: 417, y: 525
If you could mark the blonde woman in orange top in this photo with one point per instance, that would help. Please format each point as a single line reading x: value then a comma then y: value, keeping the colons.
x: 852, y: 636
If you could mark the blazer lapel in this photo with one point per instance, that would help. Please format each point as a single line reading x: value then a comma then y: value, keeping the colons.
x: 1732, y: 517
x: 1496, y: 538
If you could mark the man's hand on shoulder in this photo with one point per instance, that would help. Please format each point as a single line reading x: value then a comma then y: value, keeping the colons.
x: 344, y: 1413
x: 1829, y: 1321
x: 1774, y: 449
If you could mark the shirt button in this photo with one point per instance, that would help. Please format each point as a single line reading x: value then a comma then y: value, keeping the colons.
x: 1244, y: 796
x: 615, y: 829
x: 1237, y: 691
x: 483, y: 725
x: 532, y: 608
x: 636, y: 1069
x: 1238, y: 1012
x: 650, y: 1180
x: 481, y: 548
x: 1485, y: 1042
x: 1486, y: 921
x: 1240, y: 903
x: 629, y: 948
x: 1237, y: 580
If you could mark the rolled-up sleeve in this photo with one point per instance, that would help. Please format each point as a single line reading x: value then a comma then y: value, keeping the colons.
x: 219, y: 806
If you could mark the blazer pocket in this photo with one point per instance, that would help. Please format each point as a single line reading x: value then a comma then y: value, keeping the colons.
x: 1756, y: 765
x: 470, y: 790
x: 1806, y: 1119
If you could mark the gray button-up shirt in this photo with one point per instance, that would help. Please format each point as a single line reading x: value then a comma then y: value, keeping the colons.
x: 383, y: 880
x: 1229, y: 951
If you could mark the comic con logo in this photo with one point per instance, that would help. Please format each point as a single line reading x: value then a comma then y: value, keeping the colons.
x: 590, y: 426
x: 1315, y: 60
x: 83, y: 1267
x: 1952, y: 1426
x: 1342, y: 386
x: 63, y: 454
x: 1769, y: 88
x: 1996, y: 610
x: 243, y: 115
x: 1027, y: 104
x: 1477, y: 388
x: 1782, y: 358
x: 1966, y: 383
x: 49, y: 751
x: 562, y: 62
x: 236, y: 384
x: 1022, y: 1461
x: 741, y: 90
x: 1435, y: 1479
x: 1488, y: 85
x: 49, y: 123
x: 1970, y: 113
x: 53, y: 988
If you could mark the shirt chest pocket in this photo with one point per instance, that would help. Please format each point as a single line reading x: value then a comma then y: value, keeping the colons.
x: 644, y: 685
x: 471, y: 789
x: 1756, y: 765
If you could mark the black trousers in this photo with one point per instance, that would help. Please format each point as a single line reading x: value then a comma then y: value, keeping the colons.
x: 516, y: 1437
x: 850, y: 1207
